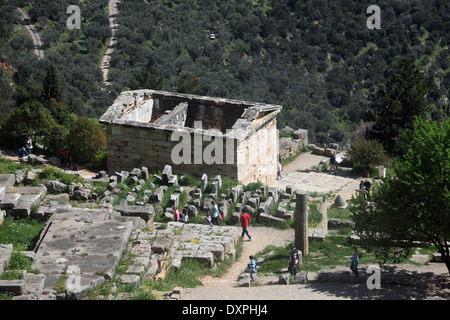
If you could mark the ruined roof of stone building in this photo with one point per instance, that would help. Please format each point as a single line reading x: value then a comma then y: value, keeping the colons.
x: 252, y: 115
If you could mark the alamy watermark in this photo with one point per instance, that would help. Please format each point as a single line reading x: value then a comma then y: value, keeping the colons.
x: 374, y: 280
x: 73, y: 281
x: 74, y: 21
x: 221, y: 148
x: 374, y: 20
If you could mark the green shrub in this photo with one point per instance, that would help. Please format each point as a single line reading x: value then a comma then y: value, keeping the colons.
x: 99, y: 161
x: 187, y: 180
x: 315, y: 217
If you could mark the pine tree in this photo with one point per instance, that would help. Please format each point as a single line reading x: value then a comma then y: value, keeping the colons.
x: 51, y: 88
x: 149, y: 78
x: 396, y: 107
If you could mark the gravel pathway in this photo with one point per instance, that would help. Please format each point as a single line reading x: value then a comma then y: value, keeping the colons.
x: 398, y: 282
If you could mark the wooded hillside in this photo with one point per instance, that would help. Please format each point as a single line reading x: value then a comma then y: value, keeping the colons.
x: 315, y: 57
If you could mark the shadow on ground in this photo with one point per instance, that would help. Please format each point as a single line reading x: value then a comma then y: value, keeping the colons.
x: 395, y: 284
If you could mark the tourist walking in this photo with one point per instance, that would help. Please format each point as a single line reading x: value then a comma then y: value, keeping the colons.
x: 176, y: 213
x: 293, y: 260
x: 333, y: 162
x: 245, y: 222
x: 215, y: 213
x: 252, y: 267
x: 279, y: 171
x: 355, y: 260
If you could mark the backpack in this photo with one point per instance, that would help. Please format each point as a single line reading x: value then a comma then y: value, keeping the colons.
x: 359, y: 255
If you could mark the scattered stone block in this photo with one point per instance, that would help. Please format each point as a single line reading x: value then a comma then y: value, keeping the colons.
x: 158, y: 195
x: 7, y: 181
x: 335, y: 223
x: 145, y: 212
x: 301, y: 277
x: 206, y: 258
x: 284, y: 278
x: 129, y: 278
x: 55, y: 186
x: 174, y: 198
x: 203, y: 182
x: 34, y: 284
x: 244, y: 280
x: 14, y: 287
x: 10, y: 200
x: 192, y: 211
x: 166, y: 174
x: 437, y: 257
x: 163, y: 242
x: 268, y: 218
x: 145, y: 173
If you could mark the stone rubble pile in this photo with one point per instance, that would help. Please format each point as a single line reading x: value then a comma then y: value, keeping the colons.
x: 155, y: 252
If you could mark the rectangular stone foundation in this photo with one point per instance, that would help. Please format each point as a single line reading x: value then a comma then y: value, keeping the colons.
x: 192, y: 134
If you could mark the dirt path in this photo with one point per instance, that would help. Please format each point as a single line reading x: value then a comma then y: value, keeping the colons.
x: 261, y: 238
x: 38, y: 44
x: 113, y: 11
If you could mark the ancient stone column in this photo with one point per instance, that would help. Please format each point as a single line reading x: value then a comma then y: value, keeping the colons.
x: 301, y: 222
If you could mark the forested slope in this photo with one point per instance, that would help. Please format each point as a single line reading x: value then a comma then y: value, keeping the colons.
x: 315, y: 57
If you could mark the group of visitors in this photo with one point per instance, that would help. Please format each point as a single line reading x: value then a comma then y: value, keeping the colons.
x: 214, y: 217
x: 180, y: 217
x: 24, y: 152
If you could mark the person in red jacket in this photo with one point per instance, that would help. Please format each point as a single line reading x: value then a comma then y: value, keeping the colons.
x: 245, y: 222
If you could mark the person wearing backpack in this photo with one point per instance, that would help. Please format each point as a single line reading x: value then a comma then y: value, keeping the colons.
x: 23, y: 155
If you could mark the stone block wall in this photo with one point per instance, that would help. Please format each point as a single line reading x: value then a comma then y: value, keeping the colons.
x: 257, y: 156
x: 134, y: 147
x: 192, y: 134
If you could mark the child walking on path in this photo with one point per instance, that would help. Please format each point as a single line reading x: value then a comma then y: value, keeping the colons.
x: 252, y: 267
x: 355, y: 260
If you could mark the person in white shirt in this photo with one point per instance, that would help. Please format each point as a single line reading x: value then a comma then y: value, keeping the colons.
x: 279, y: 171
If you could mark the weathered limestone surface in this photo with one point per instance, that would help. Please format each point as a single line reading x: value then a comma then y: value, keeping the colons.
x: 88, y: 240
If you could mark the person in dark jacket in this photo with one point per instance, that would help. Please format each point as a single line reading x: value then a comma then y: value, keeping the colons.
x: 293, y: 260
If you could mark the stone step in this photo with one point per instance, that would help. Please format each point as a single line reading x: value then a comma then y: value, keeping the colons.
x: 14, y: 287
x: 34, y: 284
x: 29, y: 196
x: 10, y: 200
x: 28, y: 288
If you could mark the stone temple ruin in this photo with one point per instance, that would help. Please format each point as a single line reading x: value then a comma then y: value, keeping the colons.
x: 195, y: 135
